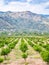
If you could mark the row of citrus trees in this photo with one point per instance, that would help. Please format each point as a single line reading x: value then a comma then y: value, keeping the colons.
x: 6, y: 48
x: 43, y: 50
x: 39, y: 46
x: 23, y: 47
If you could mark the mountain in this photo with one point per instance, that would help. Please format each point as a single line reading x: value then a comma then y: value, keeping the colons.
x: 25, y: 21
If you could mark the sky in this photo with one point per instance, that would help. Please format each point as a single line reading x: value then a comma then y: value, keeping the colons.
x: 35, y: 6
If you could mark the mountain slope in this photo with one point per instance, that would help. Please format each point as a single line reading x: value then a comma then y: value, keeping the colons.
x: 24, y: 21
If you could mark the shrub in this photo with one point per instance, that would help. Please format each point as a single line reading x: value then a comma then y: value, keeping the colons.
x: 47, y: 47
x: 45, y: 56
x: 6, y: 42
x: 2, y: 44
x: 1, y: 59
x: 37, y: 48
x: 24, y: 55
x: 11, y: 45
x: 23, y: 47
x: 30, y: 43
x: 5, y: 52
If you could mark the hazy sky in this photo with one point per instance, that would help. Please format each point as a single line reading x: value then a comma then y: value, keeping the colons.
x: 35, y: 6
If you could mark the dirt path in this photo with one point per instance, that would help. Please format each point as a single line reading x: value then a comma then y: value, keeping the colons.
x: 30, y: 61
x: 12, y: 54
x: 31, y: 51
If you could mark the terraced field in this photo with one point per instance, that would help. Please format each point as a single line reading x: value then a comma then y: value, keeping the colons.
x: 24, y: 51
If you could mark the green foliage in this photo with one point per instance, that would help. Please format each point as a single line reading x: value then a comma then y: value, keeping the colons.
x: 5, y: 51
x: 1, y: 59
x: 11, y: 45
x: 23, y: 47
x: 15, y: 42
x: 37, y: 48
x: 45, y: 56
x: 2, y: 44
x: 47, y: 47
x: 6, y: 42
x: 24, y: 55
x: 30, y: 43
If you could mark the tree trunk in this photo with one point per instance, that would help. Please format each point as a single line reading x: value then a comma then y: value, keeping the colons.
x: 25, y: 62
x: 5, y: 57
x: 47, y: 63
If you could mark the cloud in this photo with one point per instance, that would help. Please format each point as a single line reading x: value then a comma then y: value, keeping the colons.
x: 1, y: 4
x: 15, y: 5
x: 47, y: 7
x: 29, y: 0
x: 38, y: 1
x: 7, y: 1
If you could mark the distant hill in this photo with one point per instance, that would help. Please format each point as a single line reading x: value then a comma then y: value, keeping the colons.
x: 25, y: 21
